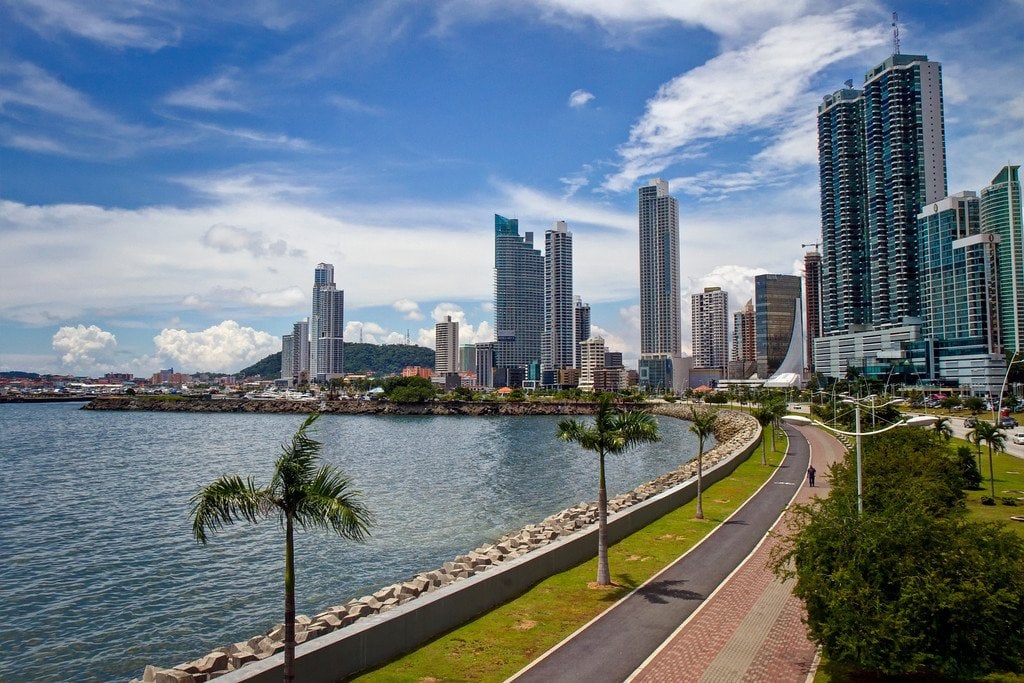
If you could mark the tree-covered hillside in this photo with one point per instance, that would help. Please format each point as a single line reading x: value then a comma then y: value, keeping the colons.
x: 383, y: 359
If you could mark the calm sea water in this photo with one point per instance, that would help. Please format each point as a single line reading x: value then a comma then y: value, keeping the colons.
x: 99, y: 574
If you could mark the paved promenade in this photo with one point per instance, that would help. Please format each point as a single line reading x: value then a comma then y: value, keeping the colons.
x: 752, y: 630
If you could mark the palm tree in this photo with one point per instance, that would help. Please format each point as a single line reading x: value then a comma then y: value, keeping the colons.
x: 300, y: 493
x: 943, y: 429
x: 613, y: 431
x: 764, y: 416
x: 995, y: 438
x: 703, y: 425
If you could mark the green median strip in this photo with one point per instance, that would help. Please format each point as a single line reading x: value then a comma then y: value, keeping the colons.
x: 501, y: 642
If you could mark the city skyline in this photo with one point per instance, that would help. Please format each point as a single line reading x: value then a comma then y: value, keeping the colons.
x: 179, y: 200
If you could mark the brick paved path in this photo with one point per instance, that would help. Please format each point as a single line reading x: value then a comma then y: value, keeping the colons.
x: 750, y: 629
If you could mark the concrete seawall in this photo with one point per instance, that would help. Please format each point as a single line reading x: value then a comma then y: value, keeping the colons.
x: 402, y: 626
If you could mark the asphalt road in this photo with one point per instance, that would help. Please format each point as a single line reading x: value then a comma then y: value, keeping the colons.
x: 612, y: 646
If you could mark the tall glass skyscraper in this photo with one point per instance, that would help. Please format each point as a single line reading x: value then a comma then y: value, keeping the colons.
x: 660, y: 322
x: 326, y: 326
x: 581, y: 323
x: 882, y: 156
x: 559, y: 342
x: 776, y: 312
x: 1001, y: 215
x: 518, y: 295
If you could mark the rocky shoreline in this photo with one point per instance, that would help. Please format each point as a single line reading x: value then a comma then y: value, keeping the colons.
x: 733, y: 431
x: 345, y: 407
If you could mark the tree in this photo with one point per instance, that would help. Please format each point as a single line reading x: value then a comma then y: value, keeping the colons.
x: 612, y: 432
x: 943, y: 429
x: 909, y: 586
x: 995, y: 437
x: 301, y: 491
x: 968, y: 468
x: 764, y: 416
x: 703, y: 425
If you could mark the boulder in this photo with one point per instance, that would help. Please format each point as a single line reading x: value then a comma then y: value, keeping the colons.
x: 154, y: 674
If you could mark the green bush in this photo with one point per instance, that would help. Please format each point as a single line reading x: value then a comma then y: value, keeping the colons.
x: 1009, y: 500
x: 988, y: 500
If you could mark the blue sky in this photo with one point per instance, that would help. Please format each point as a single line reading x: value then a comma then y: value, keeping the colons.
x: 171, y: 173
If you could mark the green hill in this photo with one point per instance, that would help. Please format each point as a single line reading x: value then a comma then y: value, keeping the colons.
x: 385, y: 359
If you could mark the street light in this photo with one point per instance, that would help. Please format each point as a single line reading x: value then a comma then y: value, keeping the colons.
x: 999, y: 405
x: 919, y: 421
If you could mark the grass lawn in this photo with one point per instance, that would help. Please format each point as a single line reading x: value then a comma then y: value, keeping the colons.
x: 501, y: 642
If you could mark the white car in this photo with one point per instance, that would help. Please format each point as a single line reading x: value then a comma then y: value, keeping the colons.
x: 1018, y: 438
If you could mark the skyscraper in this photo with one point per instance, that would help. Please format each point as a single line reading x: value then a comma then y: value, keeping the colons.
x: 518, y: 295
x: 326, y: 326
x: 581, y: 321
x: 777, y: 314
x: 882, y: 156
x: 287, y: 356
x: 660, y: 323
x: 744, y: 338
x: 842, y: 174
x: 812, y: 302
x: 1001, y: 215
x: 300, y: 350
x: 559, y: 341
x: 710, y: 318
x: 905, y: 156
x: 446, y: 346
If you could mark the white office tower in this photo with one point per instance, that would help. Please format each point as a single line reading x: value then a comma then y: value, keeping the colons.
x: 327, y: 326
x: 446, y: 346
x: 660, y: 323
x: 558, y: 343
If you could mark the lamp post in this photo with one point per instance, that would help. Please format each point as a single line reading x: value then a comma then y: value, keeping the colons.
x: 999, y: 405
x: 919, y: 421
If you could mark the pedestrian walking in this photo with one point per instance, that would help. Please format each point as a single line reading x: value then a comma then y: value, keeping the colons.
x: 810, y: 475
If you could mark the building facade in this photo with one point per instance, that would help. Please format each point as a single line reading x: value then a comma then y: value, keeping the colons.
x: 777, y: 313
x: 1001, y: 215
x: 446, y: 346
x: 518, y: 295
x: 558, y: 347
x: 710, y: 320
x: 591, y: 361
x: 326, y: 326
x: 581, y: 323
x: 660, y: 322
x: 812, y: 303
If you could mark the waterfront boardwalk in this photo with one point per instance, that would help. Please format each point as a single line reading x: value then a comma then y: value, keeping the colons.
x: 716, y: 614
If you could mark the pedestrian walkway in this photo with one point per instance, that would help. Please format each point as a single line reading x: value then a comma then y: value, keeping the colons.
x: 751, y: 629
x: 613, y: 646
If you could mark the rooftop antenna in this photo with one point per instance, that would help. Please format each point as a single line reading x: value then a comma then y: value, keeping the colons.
x: 895, y: 34
x: 360, y: 333
x: 849, y: 83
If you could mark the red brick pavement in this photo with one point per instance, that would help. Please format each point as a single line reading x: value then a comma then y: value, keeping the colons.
x: 751, y: 629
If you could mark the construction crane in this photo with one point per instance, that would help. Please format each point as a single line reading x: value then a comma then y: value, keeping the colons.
x: 811, y: 244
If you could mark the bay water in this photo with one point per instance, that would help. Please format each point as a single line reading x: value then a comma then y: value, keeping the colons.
x: 100, y: 575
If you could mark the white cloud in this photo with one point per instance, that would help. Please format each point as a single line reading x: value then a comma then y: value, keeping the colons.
x: 226, y: 347
x: 753, y: 87
x: 217, y: 93
x: 228, y: 239
x: 85, y: 348
x: 114, y: 24
x: 579, y: 98
x: 409, y: 309
x: 220, y: 298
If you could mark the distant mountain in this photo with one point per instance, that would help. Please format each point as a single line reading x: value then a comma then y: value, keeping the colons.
x: 384, y: 359
x: 16, y: 374
x: 268, y: 368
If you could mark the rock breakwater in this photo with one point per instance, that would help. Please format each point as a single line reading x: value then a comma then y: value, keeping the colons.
x: 734, y: 431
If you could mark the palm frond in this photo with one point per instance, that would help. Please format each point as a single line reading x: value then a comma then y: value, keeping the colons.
x: 225, y: 501
x: 296, y: 465
x: 331, y: 502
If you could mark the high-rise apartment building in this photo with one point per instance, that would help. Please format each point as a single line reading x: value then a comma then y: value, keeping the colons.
x: 1001, y: 215
x: 518, y: 295
x: 591, y: 360
x: 581, y: 321
x: 843, y: 180
x: 744, y: 337
x: 326, y: 326
x: 710, y: 318
x: 777, y: 313
x: 882, y: 156
x: 300, y: 350
x: 287, y: 356
x: 446, y: 346
x: 558, y: 346
x: 812, y: 302
x: 485, y: 362
x: 660, y: 323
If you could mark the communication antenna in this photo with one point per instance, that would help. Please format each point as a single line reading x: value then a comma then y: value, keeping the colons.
x: 895, y: 34
x: 408, y: 340
x: 849, y: 83
x: 360, y: 334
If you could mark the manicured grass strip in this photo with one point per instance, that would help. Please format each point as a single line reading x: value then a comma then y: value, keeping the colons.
x: 1009, y: 476
x: 504, y: 640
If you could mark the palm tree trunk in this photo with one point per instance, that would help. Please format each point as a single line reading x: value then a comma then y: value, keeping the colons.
x: 289, y: 601
x: 700, y: 481
x: 991, y: 473
x: 603, y: 575
x: 764, y: 457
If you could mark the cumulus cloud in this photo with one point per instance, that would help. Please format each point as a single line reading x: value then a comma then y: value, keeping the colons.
x: 753, y: 87
x: 226, y: 347
x: 409, y: 309
x: 579, y: 98
x: 84, y: 348
x: 229, y: 239
x: 220, y: 297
